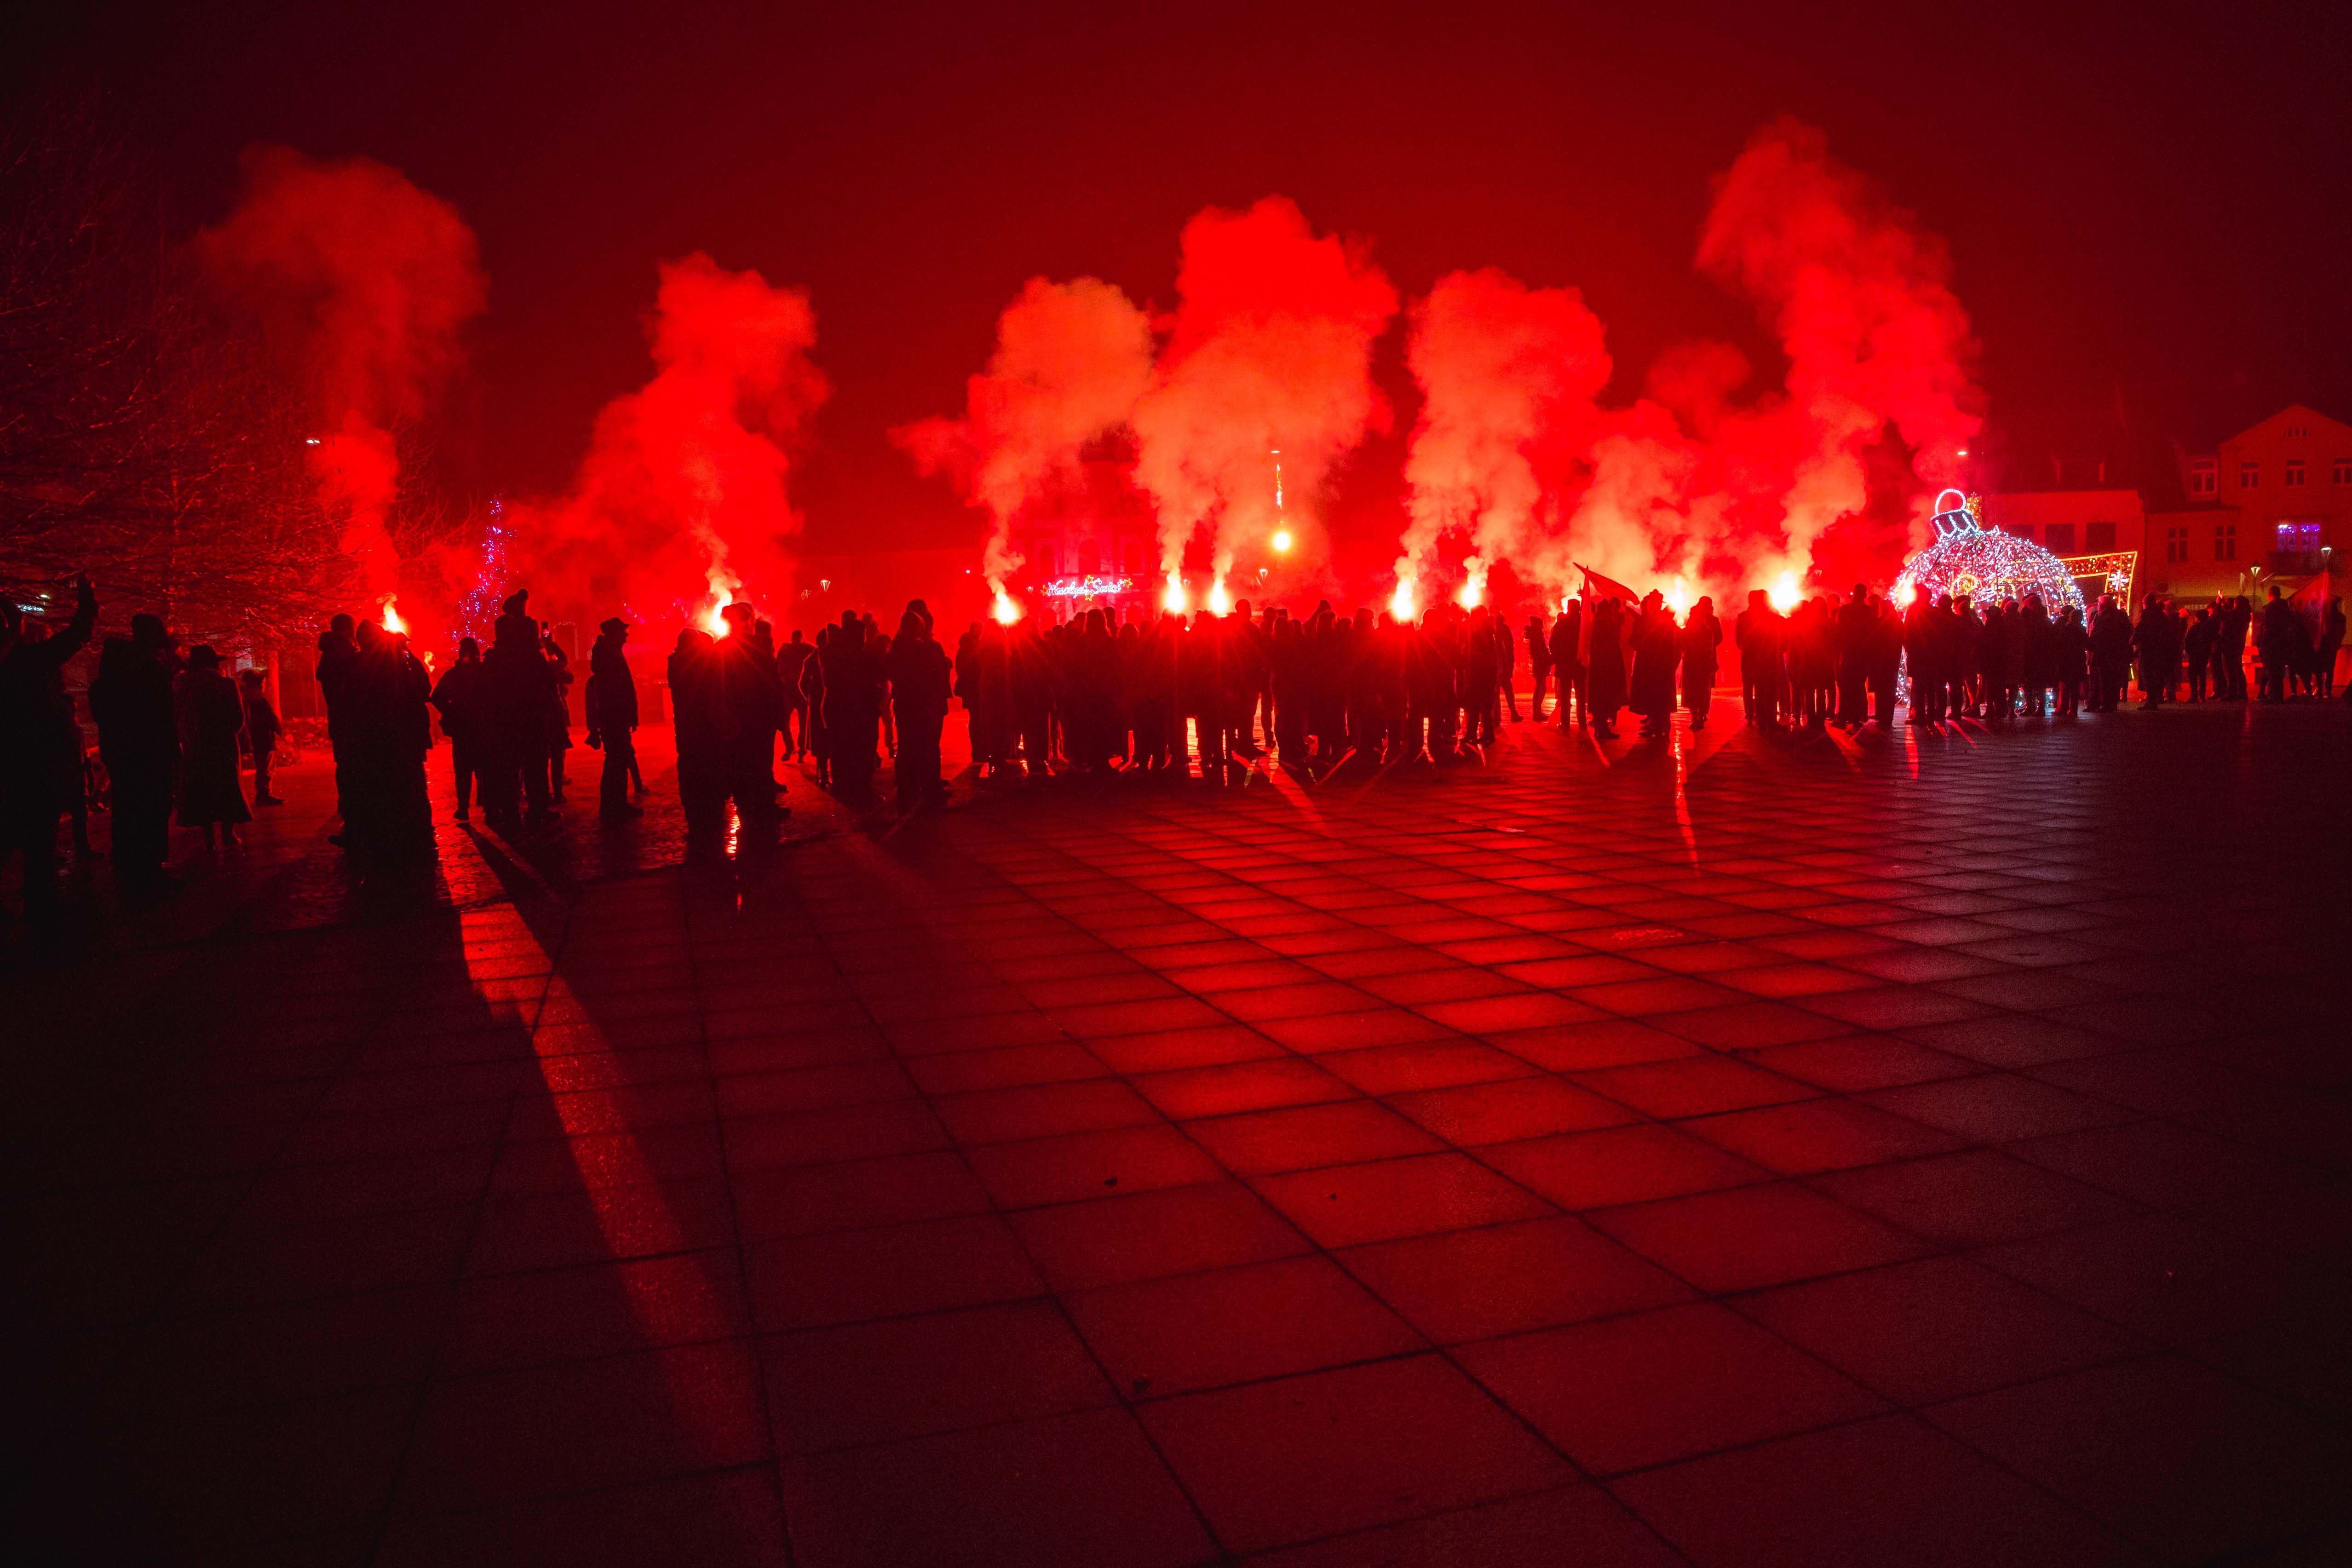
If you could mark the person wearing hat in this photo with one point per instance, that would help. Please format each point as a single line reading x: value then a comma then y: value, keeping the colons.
x: 613, y: 717
x: 209, y: 712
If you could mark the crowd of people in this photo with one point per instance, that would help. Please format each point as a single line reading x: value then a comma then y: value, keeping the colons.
x: 1144, y: 692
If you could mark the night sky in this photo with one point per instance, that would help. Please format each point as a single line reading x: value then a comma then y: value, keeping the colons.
x: 2150, y: 218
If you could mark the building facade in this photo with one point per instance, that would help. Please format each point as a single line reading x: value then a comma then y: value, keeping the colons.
x: 2272, y: 505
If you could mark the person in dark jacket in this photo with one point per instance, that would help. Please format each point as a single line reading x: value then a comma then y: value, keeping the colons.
x: 392, y: 732
x: 210, y: 714
x: 750, y: 707
x: 463, y: 697
x: 262, y: 730
x: 518, y: 689
x: 2071, y: 647
x: 1655, y: 654
x: 1700, y: 640
x: 139, y: 740
x: 338, y: 650
x: 31, y: 796
x: 1757, y: 634
x: 1606, y: 670
x: 1573, y: 700
x: 2110, y: 652
x: 918, y: 673
x: 613, y: 717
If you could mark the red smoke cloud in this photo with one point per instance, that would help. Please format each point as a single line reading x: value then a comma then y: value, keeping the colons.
x: 1508, y: 376
x: 1269, y: 352
x: 1861, y: 297
x: 1071, y: 358
x: 368, y: 280
x: 682, y: 498
x: 1685, y: 482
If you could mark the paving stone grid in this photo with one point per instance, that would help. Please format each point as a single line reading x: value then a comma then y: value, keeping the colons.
x: 1917, y: 1149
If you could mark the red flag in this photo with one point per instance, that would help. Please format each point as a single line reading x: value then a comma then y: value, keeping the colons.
x: 1607, y: 587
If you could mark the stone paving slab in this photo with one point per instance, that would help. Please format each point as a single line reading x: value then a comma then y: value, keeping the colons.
x: 1901, y: 1149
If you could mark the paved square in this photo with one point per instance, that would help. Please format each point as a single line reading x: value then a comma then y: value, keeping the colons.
x: 1910, y: 1149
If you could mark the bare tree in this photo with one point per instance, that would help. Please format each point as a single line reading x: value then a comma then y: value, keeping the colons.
x: 146, y: 436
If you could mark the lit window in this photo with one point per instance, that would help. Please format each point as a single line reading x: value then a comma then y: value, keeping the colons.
x: 2225, y: 541
x: 2175, y: 543
x: 2250, y: 474
x: 2294, y: 473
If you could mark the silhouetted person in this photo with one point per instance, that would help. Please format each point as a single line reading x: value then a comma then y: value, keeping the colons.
x: 32, y: 792
x: 1655, y: 654
x: 210, y: 713
x: 694, y: 718
x: 1759, y: 636
x: 390, y: 732
x: 613, y: 717
x: 2152, y: 642
x: 262, y: 728
x: 853, y: 708
x: 2331, y: 645
x: 2271, y: 635
x: 1605, y: 668
x: 140, y: 741
x: 463, y: 696
x: 790, y: 658
x: 749, y: 706
x: 918, y: 694
x: 2111, y: 654
x: 2198, y: 642
x: 517, y: 688
x: 338, y: 650
x: 1538, y: 665
x: 556, y: 718
x: 1568, y: 640
x: 1700, y: 640
x: 2071, y: 650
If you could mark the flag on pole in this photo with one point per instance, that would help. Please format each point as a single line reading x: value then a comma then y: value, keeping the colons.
x: 1606, y: 586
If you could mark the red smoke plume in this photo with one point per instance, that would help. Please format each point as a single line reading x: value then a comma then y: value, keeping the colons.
x: 1071, y: 358
x: 1686, y: 483
x: 1861, y: 297
x: 682, y: 496
x: 1269, y: 352
x: 1508, y: 376
x: 368, y: 279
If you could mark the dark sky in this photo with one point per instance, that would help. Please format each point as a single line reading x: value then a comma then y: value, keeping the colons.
x: 2150, y: 216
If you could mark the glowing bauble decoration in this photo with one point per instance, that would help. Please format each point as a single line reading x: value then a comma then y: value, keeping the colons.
x: 1983, y: 564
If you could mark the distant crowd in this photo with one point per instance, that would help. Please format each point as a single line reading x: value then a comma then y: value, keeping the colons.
x: 1101, y: 693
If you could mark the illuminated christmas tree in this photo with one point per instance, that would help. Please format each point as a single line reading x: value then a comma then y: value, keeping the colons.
x: 1983, y: 564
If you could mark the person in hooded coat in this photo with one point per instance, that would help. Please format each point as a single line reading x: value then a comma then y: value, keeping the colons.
x: 1656, y: 655
x: 210, y: 714
x: 1699, y: 640
x: 518, y: 687
x: 919, y: 682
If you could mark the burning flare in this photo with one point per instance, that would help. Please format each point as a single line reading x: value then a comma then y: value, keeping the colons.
x: 1007, y: 610
x: 1784, y: 592
x: 1173, y: 601
x: 389, y: 618
x: 1220, y: 602
x: 1282, y: 541
x: 1473, y: 587
x: 1401, y: 602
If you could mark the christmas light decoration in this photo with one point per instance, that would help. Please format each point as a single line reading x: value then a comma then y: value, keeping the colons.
x: 1985, y: 565
x: 1088, y: 587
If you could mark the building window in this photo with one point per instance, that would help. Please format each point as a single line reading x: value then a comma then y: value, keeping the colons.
x: 2225, y: 541
x: 2020, y: 530
x: 2294, y: 473
x: 2099, y: 537
x: 2058, y: 539
x: 2203, y: 476
x: 2344, y: 471
x: 2249, y: 475
x: 2297, y: 546
x: 2175, y: 543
